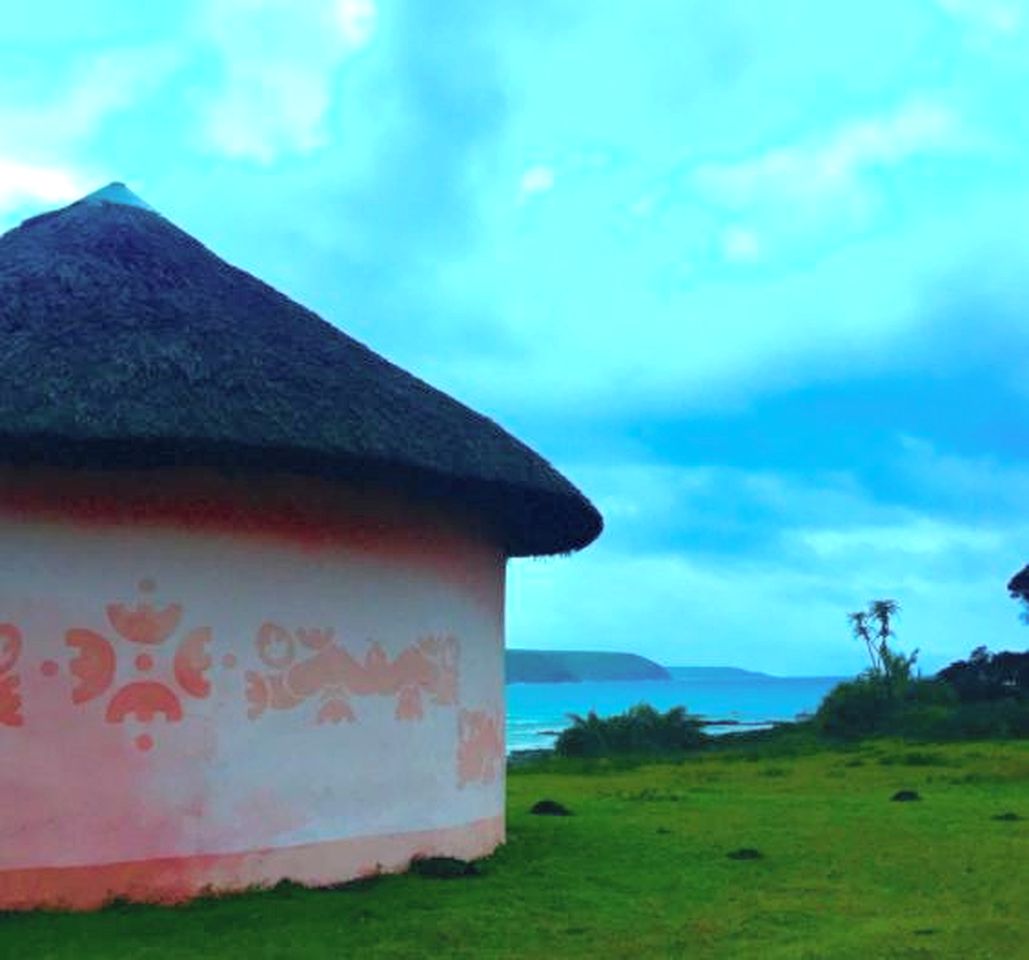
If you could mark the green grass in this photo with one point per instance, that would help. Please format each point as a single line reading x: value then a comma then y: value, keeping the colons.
x: 641, y: 870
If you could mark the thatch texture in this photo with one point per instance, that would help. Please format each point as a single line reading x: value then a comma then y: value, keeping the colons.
x: 127, y: 343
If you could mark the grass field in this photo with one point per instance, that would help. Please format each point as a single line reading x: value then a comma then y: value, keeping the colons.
x: 641, y: 870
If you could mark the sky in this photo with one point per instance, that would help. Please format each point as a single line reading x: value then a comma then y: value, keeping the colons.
x: 752, y: 275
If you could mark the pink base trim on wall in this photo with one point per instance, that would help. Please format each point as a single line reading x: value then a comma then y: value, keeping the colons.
x: 176, y: 879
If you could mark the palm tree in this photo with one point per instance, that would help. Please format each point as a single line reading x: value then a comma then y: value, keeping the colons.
x: 859, y: 626
x: 874, y: 627
x: 881, y: 611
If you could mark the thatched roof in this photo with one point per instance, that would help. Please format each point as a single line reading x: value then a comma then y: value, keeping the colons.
x: 128, y: 344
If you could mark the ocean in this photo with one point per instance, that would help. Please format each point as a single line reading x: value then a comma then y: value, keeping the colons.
x: 536, y: 712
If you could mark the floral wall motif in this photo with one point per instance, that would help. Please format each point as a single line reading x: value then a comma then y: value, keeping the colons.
x: 480, y: 752
x: 306, y: 664
x: 143, y: 630
x: 310, y: 665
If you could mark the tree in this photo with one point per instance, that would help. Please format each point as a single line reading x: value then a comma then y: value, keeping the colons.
x: 874, y: 628
x: 989, y: 676
x: 1018, y: 587
x: 873, y: 700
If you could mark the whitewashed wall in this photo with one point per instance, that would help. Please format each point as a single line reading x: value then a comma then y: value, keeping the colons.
x: 182, y: 707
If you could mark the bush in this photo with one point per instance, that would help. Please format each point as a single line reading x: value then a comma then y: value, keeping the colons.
x: 868, y: 705
x: 930, y: 693
x: 924, y: 722
x: 927, y: 710
x: 856, y: 708
x: 997, y: 718
x: 640, y: 730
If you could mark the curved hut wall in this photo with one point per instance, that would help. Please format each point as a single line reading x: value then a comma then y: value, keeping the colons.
x: 211, y: 684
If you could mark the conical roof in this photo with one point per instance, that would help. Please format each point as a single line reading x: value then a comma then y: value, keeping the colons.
x: 127, y: 344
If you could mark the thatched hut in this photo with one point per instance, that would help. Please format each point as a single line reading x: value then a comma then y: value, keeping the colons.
x: 252, y: 600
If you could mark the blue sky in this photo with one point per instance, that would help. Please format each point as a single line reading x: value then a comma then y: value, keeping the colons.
x: 753, y: 275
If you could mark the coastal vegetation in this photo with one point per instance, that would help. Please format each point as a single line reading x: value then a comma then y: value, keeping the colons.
x: 640, y: 730
x: 985, y: 696
x: 982, y: 697
x: 784, y: 851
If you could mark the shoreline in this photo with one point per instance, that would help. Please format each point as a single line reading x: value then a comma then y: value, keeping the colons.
x: 727, y: 725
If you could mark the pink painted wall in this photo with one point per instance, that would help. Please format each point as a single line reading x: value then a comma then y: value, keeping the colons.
x: 198, y: 691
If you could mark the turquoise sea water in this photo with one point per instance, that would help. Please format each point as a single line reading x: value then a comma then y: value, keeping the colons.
x: 537, y: 711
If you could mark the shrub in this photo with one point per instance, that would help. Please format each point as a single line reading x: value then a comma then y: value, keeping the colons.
x: 924, y: 722
x: 930, y: 693
x: 997, y: 718
x: 928, y: 710
x: 856, y: 708
x: 640, y: 730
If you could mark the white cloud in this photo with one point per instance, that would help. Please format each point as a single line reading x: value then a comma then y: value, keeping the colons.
x: 23, y: 183
x: 832, y: 168
x: 644, y: 206
x: 537, y: 179
x: 921, y: 536
x: 653, y: 315
x: 264, y: 112
x: 357, y: 19
x: 706, y: 342
x: 39, y: 138
x: 740, y: 244
x: 97, y: 88
x: 280, y: 61
x: 982, y: 484
x: 998, y: 16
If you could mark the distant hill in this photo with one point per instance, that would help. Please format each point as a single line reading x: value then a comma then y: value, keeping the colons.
x: 573, y: 666
x: 715, y: 673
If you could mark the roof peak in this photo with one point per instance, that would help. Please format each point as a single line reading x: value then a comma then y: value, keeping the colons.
x: 117, y: 192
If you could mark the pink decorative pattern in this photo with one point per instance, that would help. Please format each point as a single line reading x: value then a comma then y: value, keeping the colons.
x: 10, y: 699
x: 95, y: 665
x: 309, y: 663
x: 480, y: 751
x: 300, y: 665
